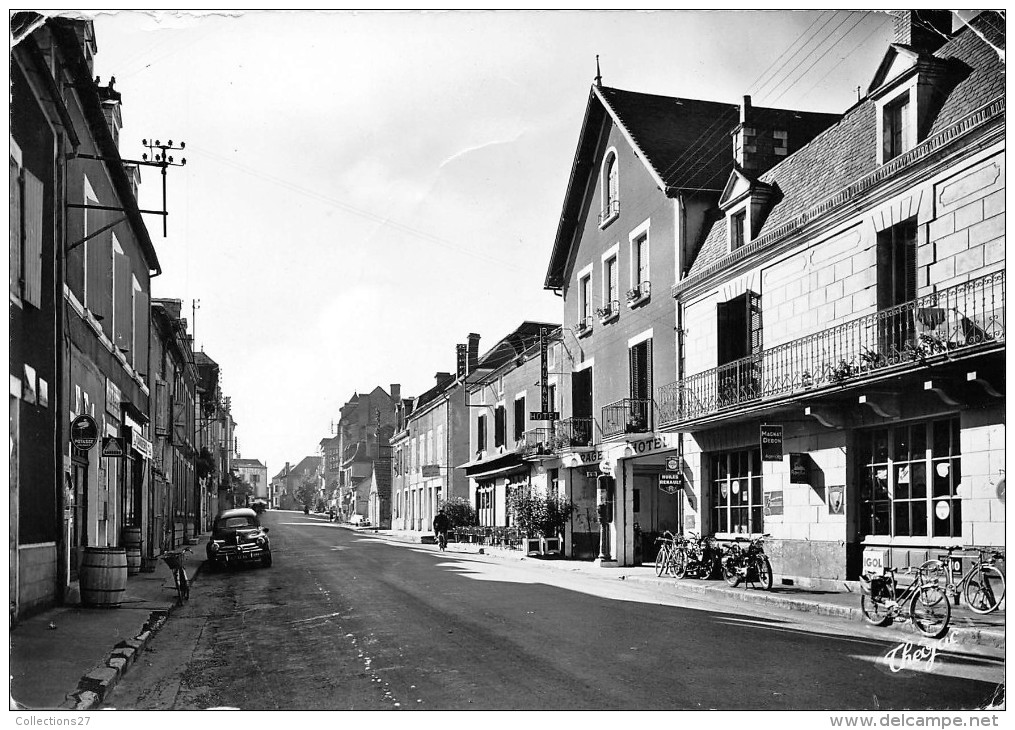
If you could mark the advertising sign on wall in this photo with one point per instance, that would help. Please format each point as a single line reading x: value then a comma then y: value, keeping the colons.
x: 771, y: 442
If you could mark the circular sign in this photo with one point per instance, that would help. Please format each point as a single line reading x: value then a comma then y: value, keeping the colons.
x: 606, y: 467
x: 84, y: 433
x: 672, y: 463
x: 942, y: 469
x: 735, y: 487
x: 943, y: 509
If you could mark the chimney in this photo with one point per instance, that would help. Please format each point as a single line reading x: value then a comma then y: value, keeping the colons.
x: 922, y: 30
x: 473, y: 352
x: 110, y: 99
x: 443, y: 379
x: 396, y: 392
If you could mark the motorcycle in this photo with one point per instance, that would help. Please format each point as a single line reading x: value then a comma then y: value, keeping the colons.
x: 748, y: 564
x: 698, y: 557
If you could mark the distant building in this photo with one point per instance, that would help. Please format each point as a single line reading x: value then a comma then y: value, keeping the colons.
x: 365, y: 426
x: 254, y: 473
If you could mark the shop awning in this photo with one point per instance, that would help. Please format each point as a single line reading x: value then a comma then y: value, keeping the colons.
x: 495, y: 466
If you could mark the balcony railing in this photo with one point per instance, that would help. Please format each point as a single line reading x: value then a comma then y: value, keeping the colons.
x: 608, y: 311
x: 537, y: 442
x: 573, y: 432
x: 639, y: 294
x: 583, y: 326
x: 949, y: 321
x: 610, y: 211
x: 630, y: 415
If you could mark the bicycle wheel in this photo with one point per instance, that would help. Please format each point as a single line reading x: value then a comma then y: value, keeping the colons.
x: 764, y: 567
x: 662, y: 560
x: 679, y: 564
x: 875, y: 610
x: 984, y: 590
x: 184, y: 585
x: 930, y: 614
x: 729, y: 572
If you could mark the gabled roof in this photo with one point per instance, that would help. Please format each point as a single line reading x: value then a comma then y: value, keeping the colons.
x: 682, y: 143
x: 847, y: 151
x: 509, y: 347
x: 307, y: 464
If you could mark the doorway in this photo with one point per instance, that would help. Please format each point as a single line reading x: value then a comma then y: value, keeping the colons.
x: 78, y: 514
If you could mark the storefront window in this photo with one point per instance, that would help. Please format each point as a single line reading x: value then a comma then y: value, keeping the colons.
x: 893, y: 466
x: 737, y: 502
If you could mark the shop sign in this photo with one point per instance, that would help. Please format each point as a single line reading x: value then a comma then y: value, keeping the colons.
x: 589, y: 457
x: 84, y: 433
x: 836, y: 499
x: 140, y: 444
x: 670, y: 481
x: 113, y: 398
x: 606, y: 467
x: 672, y: 463
x: 431, y: 470
x: 112, y: 446
x: 652, y: 445
x: 875, y: 560
x: 942, y: 509
x: 592, y: 473
x: 771, y: 442
x: 799, y: 469
x: 773, y: 503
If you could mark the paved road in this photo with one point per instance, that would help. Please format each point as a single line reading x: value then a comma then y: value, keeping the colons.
x: 350, y: 621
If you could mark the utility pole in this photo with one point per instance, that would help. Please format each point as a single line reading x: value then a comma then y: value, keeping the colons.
x: 195, y: 304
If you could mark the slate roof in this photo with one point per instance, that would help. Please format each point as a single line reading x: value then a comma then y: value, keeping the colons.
x: 847, y: 151
x: 511, y: 346
x: 666, y: 129
x: 680, y: 140
x: 248, y: 464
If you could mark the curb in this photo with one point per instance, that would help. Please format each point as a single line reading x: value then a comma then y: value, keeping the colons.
x: 96, y: 685
x: 967, y: 636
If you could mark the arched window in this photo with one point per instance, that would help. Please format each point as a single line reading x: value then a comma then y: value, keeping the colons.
x: 611, y: 189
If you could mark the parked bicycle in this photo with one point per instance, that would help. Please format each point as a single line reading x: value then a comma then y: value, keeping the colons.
x: 667, y: 556
x: 982, y: 585
x: 175, y: 560
x: 881, y: 601
x: 748, y: 564
x: 697, y: 557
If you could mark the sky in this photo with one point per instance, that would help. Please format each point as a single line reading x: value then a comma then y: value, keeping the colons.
x: 364, y: 189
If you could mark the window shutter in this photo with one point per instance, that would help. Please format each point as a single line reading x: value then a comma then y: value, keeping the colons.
x: 100, y: 278
x: 141, y: 319
x: 124, y: 306
x: 632, y: 355
x: 754, y: 322
x: 15, y: 226
x: 648, y: 369
x: 33, y: 239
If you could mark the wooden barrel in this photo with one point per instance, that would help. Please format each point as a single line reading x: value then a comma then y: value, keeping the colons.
x: 103, y: 576
x: 133, y: 560
x: 131, y: 537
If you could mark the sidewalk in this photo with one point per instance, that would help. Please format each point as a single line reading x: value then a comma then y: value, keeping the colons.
x: 69, y: 657
x: 966, y: 627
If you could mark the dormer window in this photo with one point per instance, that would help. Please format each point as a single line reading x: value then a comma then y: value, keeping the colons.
x: 897, y: 134
x: 610, y: 190
x: 738, y: 229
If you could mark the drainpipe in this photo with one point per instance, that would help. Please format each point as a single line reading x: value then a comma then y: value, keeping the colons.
x: 59, y: 404
x: 680, y: 344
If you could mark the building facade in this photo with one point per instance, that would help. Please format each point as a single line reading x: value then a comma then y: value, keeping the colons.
x: 255, y: 474
x: 644, y: 190
x: 856, y: 322
x: 81, y: 262
x: 174, y: 408
x: 365, y: 427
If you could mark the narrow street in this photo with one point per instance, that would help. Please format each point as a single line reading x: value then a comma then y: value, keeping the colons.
x: 350, y: 621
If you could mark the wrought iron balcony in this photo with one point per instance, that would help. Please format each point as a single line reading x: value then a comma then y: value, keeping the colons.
x: 950, y: 321
x: 537, y: 442
x: 573, y: 432
x: 610, y: 310
x: 610, y: 211
x: 630, y: 415
x: 583, y: 326
x: 639, y: 294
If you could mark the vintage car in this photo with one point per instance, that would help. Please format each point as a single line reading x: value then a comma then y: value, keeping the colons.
x: 238, y: 537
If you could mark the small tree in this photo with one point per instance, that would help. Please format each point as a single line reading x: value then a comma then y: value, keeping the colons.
x: 459, y: 511
x: 536, y: 514
x: 306, y: 492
